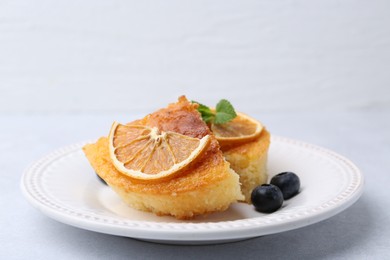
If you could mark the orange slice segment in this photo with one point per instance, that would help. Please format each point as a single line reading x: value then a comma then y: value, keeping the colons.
x: 146, y: 153
x: 240, y: 130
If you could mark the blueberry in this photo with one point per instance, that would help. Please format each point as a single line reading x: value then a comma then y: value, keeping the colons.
x: 288, y: 183
x: 100, y: 178
x: 267, y: 198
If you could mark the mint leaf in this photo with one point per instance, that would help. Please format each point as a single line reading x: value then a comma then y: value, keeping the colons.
x: 208, y: 118
x: 222, y: 118
x: 224, y: 106
x: 205, y: 111
x: 201, y: 107
x: 224, y: 112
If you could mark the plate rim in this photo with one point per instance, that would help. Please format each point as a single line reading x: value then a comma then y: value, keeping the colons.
x: 205, y: 231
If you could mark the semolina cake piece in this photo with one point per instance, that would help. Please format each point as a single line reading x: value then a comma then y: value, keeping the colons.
x: 249, y: 160
x: 207, y: 185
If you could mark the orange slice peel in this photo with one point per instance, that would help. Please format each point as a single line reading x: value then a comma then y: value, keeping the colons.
x: 241, y: 129
x: 146, y: 153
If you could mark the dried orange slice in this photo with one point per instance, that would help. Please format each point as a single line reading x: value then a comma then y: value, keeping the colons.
x: 240, y: 130
x: 146, y: 153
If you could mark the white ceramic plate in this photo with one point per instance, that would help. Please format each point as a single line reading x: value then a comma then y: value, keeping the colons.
x: 64, y: 187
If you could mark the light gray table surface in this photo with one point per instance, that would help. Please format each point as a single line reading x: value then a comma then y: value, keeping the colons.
x: 360, y: 232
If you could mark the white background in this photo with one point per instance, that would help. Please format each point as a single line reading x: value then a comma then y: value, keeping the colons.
x: 110, y: 56
x: 318, y: 71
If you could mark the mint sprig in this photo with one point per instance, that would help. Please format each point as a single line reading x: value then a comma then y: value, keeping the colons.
x: 224, y: 112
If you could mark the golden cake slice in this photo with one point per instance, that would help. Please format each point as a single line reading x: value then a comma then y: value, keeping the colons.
x: 249, y: 160
x: 205, y: 185
x: 245, y: 142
